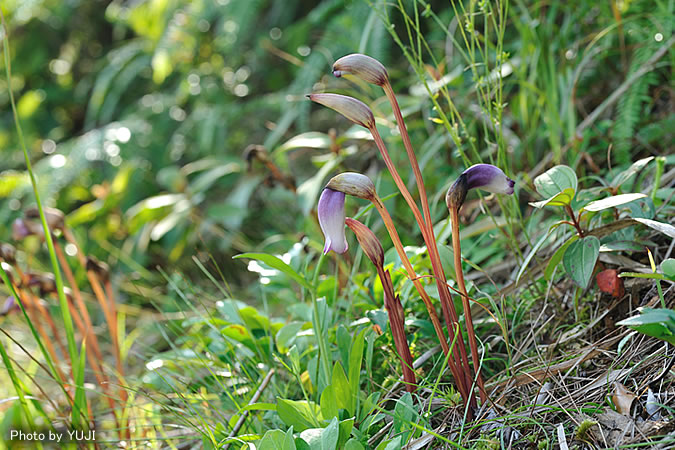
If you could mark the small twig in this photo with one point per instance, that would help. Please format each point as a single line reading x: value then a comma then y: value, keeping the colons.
x: 254, y: 399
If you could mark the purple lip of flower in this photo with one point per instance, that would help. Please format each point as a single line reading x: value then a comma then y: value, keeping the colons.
x: 488, y: 178
x: 331, y: 211
x: 9, y: 306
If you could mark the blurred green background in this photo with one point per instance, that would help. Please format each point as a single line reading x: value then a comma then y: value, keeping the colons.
x: 138, y: 115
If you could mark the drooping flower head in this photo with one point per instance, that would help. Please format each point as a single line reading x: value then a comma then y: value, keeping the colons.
x: 353, y: 109
x: 354, y: 184
x: 484, y: 176
x: 331, y: 212
x: 368, y: 69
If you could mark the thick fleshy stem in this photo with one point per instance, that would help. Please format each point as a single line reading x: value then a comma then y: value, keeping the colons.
x: 454, y: 364
x: 449, y: 312
x: 456, y: 247
x: 446, y: 299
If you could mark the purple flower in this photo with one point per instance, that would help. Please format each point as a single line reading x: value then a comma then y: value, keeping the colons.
x: 331, y: 211
x: 484, y: 176
x: 9, y: 306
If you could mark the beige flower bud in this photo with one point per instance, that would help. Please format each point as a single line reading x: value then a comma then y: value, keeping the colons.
x: 55, y: 217
x: 368, y: 69
x: 351, y: 108
x: 354, y: 184
x: 369, y: 243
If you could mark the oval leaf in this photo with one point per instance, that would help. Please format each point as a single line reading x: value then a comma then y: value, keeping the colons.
x: 556, y: 180
x: 611, y: 202
x: 579, y: 259
x: 564, y: 198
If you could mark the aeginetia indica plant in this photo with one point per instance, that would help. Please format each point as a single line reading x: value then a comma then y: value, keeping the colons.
x: 332, y: 219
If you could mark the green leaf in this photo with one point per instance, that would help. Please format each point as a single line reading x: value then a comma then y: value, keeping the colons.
x: 579, y: 260
x: 555, y: 181
x: 563, y: 198
x: 329, y: 406
x: 658, y: 323
x: 330, y: 435
x: 668, y: 267
x: 301, y: 415
x: 664, y: 228
x: 355, y: 360
x: 277, y: 264
x: 342, y: 389
x: 557, y: 257
x: 636, y: 167
x: 404, y: 415
x: 353, y: 444
x: 612, y: 202
x: 277, y: 440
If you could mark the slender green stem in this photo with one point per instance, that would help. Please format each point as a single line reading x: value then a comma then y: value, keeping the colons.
x: 63, y: 301
x: 324, y: 361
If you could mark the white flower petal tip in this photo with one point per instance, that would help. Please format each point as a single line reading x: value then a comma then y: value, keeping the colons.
x: 365, y: 67
x: 331, y: 212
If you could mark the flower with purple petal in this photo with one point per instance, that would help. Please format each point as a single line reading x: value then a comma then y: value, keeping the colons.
x: 484, y: 176
x: 331, y: 212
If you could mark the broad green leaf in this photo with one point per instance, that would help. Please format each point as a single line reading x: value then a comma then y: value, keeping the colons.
x: 287, y: 334
x: 557, y: 257
x: 611, y: 202
x: 277, y: 440
x: 329, y: 406
x: 260, y: 407
x: 345, y: 427
x: 278, y: 264
x: 330, y: 435
x: 658, y: 323
x: 563, y: 198
x: 353, y: 444
x: 668, y: 267
x: 342, y: 389
x: 237, y: 332
x: 301, y: 415
x: 556, y: 180
x: 579, y: 260
x: 664, y: 228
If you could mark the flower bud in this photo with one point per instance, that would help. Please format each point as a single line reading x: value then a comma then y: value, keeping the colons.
x: 101, y: 269
x: 369, y: 243
x: 368, y: 69
x: 7, y: 252
x: 353, y: 109
x: 484, y: 176
x: 55, y: 217
x: 354, y: 184
x: 331, y: 212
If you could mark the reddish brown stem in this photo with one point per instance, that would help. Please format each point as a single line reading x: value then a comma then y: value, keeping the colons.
x: 575, y: 221
x: 448, y: 308
x: 456, y: 247
x: 396, y: 322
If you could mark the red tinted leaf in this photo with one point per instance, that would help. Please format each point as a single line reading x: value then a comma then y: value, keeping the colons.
x: 609, y: 282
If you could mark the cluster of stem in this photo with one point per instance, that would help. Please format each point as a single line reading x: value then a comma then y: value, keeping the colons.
x: 33, y: 306
x: 372, y: 71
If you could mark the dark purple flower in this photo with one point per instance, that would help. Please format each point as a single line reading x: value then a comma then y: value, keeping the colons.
x: 331, y: 211
x: 484, y: 176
